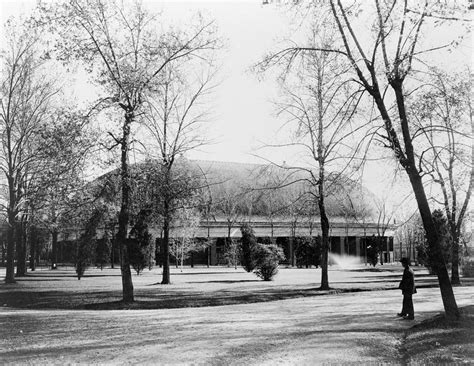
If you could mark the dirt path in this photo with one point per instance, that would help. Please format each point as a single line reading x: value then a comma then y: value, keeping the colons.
x: 352, y: 327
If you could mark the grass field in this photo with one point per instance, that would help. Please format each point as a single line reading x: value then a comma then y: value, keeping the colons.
x: 223, y: 316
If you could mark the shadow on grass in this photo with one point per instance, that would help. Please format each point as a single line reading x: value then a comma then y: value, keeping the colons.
x: 47, y: 275
x: 161, y: 298
x: 204, y: 273
x: 227, y: 281
x: 439, y: 340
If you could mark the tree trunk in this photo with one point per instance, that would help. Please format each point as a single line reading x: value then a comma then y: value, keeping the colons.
x: 54, y: 249
x: 112, y: 251
x: 324, y: 244
x: 20, y: 250
x: 166, y: 245
x: 447, y: 295
x: 124, y: 215
x: 380, y: 248
x: 455, y: 280
x: 33, y: 247
x: 408, y: 163
x: 4, y: 252
x: 10, y: 272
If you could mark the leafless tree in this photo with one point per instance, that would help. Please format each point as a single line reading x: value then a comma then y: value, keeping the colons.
x: 175, y: 117
x: 442, y: 111
x: 25, y: 100
x: 320, y: 104
x: 128, y: 50
x: 382, y: 62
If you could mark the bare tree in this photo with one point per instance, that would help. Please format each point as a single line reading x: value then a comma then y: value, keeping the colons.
x: 410, y: 234
x: 381, y: 63
x: 442, y: 111
x: 175, y: 117
x: 185, y: 223
x: 65, y: 144
x: 123, y: 45
x: 320, y: 105
x: 25, y: 100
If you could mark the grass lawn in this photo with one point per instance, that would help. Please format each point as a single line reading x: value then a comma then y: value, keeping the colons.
x: 192, y: 287
x: 225, y: 316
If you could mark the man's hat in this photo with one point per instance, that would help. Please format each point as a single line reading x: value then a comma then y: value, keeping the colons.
x: 405, y: 260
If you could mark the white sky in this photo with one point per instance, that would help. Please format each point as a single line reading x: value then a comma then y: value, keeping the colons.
x: 243, y: 109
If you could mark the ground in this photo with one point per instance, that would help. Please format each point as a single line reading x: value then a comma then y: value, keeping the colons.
x: 223, y: 316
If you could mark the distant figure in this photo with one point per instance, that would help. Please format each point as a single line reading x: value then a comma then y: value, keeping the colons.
x: 407, y: 285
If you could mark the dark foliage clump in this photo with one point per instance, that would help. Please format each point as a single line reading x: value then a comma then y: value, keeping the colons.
x: 267, y: 259
x: 373, y: 250
x: 307, y: 251
x: 102, y: 251
x: 424, y: 252
x: 141, y: 247
x: 87, y: 243
x: 249, y: 245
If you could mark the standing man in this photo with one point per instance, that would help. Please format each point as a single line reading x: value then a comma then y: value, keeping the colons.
x: 407, y: 285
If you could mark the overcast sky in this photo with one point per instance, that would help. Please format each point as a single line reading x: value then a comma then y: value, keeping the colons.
x: 244, y: 115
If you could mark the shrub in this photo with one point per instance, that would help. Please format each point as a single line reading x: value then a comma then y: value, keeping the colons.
x: 87, y: 243
x: 84, y: 255
x: 267, y: 258
x: 468, y: 267
x: 102, y: 251
x: 308, y: 251
x: 424, y: 254
x: 249, y: 245
x: 141, y: 248
x: 141, y: 252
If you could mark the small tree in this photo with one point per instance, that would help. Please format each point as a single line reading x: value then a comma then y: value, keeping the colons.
x: 186, y: 221
x: 249, y: 245
x: 141, y: 247
x: 308, y: 251
x: 102, y: 251
x: 267, y: 258
x: 425, y: 255
x: 87, y: 242
x: 85, y: 250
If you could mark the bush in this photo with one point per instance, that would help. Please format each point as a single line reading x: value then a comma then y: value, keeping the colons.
x: 308, y: 251
x: 249, y: 245
x: 468, y: 268
x: 84, y: 255
x: 87, y: 242
x: 141, y: 248
x: 102, y: 251
x: 267, y: 258
x: 424, y: 254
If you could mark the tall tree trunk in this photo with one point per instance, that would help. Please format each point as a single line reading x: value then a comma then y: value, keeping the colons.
x: 4, y: 252
x: 11, y: 215
x: 380, y: 248
x: 124, y: 215
x: 447, y: 295
x: 33, y: 239
x: 455, y: 280
x: 10, y: 273
x: 21, y: 249
x: 324, y: 243
x: 54, y: 249
x: 112, y: 250
x: 166, y: 244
